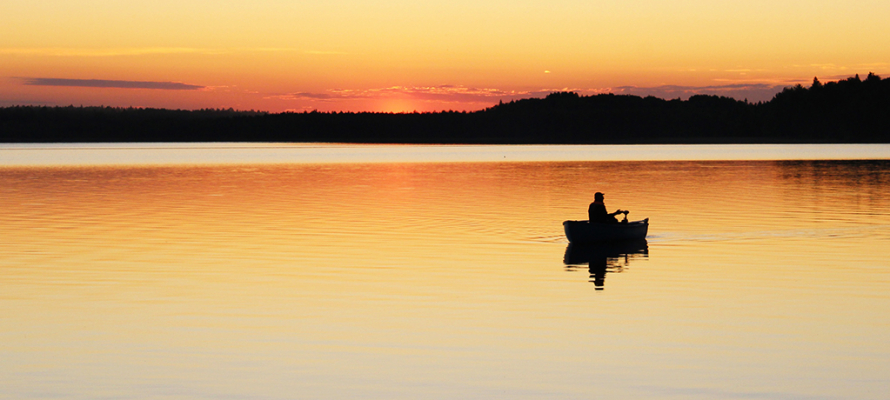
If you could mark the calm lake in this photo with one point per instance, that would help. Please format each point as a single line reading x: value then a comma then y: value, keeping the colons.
x: 209, y: 271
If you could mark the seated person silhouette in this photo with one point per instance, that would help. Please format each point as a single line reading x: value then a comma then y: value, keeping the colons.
x: 597, y: 213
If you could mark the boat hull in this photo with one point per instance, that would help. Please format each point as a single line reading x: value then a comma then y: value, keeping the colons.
x: 584, y: 232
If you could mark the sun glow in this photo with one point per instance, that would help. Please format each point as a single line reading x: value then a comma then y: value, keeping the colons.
x: 399, y: 106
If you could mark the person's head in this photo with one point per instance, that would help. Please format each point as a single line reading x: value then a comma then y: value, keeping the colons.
x: 598, y: 196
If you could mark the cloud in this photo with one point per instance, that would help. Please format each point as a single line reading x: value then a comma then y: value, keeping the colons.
x: 135, y: 51
x: 143, y: 51
x: 102, y: 83
x: 751, y: 91
x: 843, y: 76
x: 440, y: 94
x: 324, y: 52
x: 7, y: 103
x: 312, y: 96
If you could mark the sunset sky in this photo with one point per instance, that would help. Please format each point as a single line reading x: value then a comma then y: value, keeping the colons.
x: 387, y: 55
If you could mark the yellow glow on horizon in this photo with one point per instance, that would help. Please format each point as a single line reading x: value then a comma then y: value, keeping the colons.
x: 398, y: 106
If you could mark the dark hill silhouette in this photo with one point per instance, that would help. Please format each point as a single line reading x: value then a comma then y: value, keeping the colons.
x: 848, y: 111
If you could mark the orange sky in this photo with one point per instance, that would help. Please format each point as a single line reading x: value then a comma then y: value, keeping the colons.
x: 281, y: 55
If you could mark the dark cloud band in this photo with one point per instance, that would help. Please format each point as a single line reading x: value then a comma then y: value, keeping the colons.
x: 102, y: 83
x: 753, y: 92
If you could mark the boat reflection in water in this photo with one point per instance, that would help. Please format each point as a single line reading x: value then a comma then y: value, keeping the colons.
x: 603, y: 257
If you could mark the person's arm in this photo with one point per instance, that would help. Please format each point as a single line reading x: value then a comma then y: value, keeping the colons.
x: 619, y: 212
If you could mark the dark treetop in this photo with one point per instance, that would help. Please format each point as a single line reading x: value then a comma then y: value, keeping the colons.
x: 848, y: 111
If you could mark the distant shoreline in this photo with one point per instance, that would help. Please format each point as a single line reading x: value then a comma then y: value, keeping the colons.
x: 853, y: 110
x: 204, y: 154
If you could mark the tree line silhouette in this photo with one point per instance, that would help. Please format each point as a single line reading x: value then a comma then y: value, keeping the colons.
x: 846, y: 111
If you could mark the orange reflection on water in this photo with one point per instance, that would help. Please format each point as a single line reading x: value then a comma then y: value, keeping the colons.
x: 268, y: 280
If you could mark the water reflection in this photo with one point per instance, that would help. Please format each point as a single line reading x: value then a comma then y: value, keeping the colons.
x: 265, y: 280
x: 605, y: 257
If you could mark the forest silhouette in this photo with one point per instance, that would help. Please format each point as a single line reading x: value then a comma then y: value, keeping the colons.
x: 852, y: 110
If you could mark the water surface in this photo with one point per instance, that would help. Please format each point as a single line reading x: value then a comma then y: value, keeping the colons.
x: 93, y: 154
x: 760, y: 279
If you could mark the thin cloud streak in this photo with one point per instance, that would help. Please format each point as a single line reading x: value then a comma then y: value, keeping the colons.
x: 9, y: 103
x: 106, y: 84
x: 143, y: 51
x: 441, y: 93
x: 139, y: 51
x: 325, y: 53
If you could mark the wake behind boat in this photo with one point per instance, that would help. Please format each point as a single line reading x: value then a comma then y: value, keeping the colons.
x: 585, y: 232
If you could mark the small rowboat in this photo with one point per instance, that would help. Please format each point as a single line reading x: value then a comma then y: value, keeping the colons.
x: 584, y: 232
